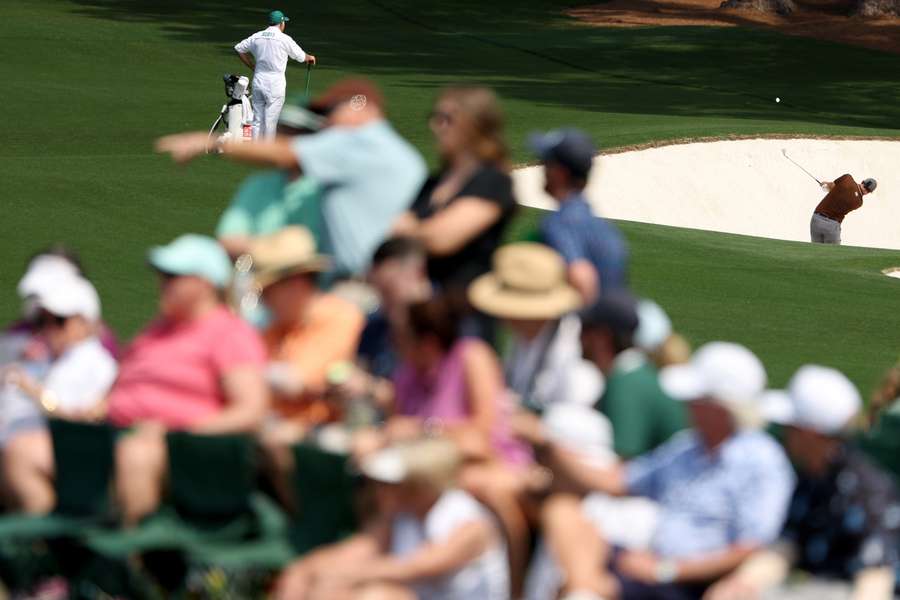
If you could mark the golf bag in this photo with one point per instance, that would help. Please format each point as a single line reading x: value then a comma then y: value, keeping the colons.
x: 236, y: 114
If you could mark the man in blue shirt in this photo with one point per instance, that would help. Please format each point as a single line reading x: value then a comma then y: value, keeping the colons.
x: 593, y: 248
x: 722, y: 489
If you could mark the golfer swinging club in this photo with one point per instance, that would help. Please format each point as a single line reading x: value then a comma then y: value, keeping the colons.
x: 267, y: 53
x: 844, y: 195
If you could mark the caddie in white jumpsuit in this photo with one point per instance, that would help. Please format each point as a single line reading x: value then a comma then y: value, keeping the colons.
x: 267, y: 53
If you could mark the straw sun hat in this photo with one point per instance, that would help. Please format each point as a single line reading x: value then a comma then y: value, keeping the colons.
x: 290, y: 251
x: 528, y: 282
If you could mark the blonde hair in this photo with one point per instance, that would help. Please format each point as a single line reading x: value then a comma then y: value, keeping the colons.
x: 431, y: 462
x: 483, y: 118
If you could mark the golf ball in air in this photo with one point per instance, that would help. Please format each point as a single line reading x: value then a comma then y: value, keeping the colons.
x: 777, y: 99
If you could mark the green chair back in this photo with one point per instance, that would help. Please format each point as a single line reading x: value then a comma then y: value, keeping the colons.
x: 211, y: 477
x: 324, y: 491
x: 83, y: 455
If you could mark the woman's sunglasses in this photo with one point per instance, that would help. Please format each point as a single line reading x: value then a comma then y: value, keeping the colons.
x: 440, y: 118
x: 48, y: 320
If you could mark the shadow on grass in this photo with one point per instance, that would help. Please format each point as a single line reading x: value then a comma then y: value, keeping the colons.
x: 532, y: 53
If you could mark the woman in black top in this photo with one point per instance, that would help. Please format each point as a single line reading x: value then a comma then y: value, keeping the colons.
x: 462, y: 210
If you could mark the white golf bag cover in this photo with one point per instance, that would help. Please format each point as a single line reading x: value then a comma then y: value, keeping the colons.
x: 237, y: 114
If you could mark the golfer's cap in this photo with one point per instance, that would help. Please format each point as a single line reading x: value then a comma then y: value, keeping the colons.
x: 385, y: 466
x: 570, y: 147
x: 196, y: 255
x: 616, y: 310
x: 817, y: 398
x: 276, y: 17
x: 580, y: 429
x: 720, y: 371
x: 870, y: 184
x: 360, y: 91
x: 654, y: 326
x: 71, y: 296
x: 44, y: 271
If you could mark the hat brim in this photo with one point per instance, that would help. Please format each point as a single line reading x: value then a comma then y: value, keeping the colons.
x: 385, y: 466
x: 539, y: 144
x: 683, y: 382
x: 267, y: 277
x: 490, y: 296
x: 776, y: 406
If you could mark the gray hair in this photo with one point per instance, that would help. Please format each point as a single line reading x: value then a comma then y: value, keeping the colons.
x: 870, y: 184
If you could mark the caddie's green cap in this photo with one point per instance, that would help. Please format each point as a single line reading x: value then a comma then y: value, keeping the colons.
x: 196, y: 255
x: 276, y: 17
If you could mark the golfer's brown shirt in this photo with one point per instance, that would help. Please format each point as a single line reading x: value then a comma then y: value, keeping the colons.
x: 843, y: 198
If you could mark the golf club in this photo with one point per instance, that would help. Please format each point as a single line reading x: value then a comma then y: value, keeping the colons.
x: 307, y: 79
x: 783, y: 151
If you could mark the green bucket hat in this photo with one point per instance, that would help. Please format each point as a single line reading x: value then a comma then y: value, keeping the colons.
x: 276, y: 17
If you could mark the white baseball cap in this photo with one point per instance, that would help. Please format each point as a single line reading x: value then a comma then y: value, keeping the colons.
x: 654, y: 326
x: 580, y: 429
x: 386, y: 466
x: 43, y: 272
x: 69, y: 297
x: 722, y: 371
x: 817, y: 398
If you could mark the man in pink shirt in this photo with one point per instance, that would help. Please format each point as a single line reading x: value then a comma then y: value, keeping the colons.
x: 197, y: 368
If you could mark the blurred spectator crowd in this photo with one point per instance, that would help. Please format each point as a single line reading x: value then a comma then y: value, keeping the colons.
x: 521, y: 424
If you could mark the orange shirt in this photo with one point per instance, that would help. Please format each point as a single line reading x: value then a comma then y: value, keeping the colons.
x: 329, y: 334
x: 843, y: 198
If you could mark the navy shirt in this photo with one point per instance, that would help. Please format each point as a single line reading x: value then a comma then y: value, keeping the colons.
x: 578, y: 234
x: 847, y: 520
x: 376, y: 350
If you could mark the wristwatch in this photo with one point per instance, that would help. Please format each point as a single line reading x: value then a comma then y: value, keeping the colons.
x: 666, y: 571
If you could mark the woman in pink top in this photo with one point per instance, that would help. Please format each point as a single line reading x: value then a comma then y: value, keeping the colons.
x: 455, y: 385
x: 197, y: 368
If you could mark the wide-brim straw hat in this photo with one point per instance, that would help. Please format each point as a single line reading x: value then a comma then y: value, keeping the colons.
x: 288, y: 252
x: 528, y: 282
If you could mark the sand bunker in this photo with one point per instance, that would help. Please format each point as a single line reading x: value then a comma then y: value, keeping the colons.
x: 741, y: 186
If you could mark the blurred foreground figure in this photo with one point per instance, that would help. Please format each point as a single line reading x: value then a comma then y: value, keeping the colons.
x: 429, y: 541
x: 844, y: 520
x: 198, y: 368
x: 368, y: 173
x: 722, y: 488
x: 79, y: 375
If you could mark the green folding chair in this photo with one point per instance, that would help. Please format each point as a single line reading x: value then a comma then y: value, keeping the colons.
x: 325, y: 489
x: 212, y: 513
x: 83, y: 455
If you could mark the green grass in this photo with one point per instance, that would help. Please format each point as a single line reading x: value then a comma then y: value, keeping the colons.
x: 91, y: 83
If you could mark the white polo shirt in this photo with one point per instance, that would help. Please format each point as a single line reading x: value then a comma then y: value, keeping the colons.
x: 271, y: 48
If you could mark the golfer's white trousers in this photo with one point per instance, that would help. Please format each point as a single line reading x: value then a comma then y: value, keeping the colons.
x: 267, y: 99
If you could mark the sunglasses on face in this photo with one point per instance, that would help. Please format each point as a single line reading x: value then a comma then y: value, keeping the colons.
x: 440, y: 118
x: 48, y: 320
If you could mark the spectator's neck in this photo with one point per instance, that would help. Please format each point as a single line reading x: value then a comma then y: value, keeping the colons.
x: 565, y: 195
x: 199, y: 310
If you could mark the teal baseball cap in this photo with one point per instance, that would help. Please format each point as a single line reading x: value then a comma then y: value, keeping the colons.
x: 193, y: 254
x: 276, y: 17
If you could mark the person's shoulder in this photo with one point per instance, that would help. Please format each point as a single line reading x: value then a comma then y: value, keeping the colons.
x: 757, y: 447
x: 460, y: 504
x: 227, y: 325
x: 332, y: 307
x: 869, y: 476
x: 845, y: 179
